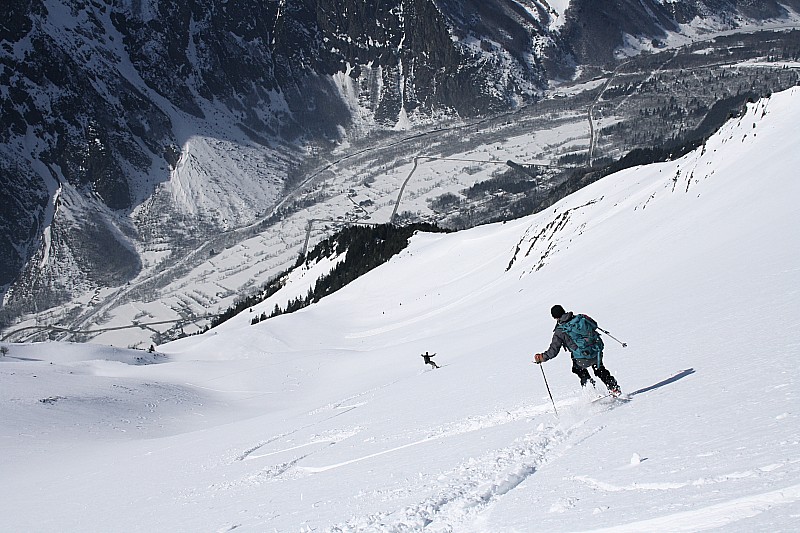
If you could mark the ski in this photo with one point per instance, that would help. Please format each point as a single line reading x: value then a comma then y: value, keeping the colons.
x: 618, y: 397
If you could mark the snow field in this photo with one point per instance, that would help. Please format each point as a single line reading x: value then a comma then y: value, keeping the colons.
x: 328, y: 420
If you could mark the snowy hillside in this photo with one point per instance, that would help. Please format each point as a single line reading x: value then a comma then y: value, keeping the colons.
x: 328, y: 420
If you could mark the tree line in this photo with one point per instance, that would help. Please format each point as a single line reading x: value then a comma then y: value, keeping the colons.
x: 365, y: 247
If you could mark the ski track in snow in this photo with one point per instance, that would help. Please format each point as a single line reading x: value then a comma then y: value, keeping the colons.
x: 457, y: 497
x: 477, y: 483
x: 609, y: 487
x: 343, y: 407
x: 333, y: 439
x: 713, y: 516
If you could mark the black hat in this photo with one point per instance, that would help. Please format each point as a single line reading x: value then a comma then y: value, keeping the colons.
x: 557, y: 311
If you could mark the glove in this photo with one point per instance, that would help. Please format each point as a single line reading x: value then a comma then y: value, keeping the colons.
x: 538, y: 358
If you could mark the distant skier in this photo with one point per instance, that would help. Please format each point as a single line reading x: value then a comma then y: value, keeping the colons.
x: 428, y: 361
x: 577, y: 333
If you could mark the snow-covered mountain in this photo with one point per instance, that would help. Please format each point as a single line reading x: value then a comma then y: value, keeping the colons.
x: 135, y: 132
x: 327, y: 419
x: 119, y: 117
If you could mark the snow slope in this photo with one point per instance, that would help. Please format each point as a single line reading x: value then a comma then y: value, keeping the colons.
x: 328, y: 420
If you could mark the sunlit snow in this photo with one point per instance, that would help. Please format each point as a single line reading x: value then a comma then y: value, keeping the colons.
x: 327, y: 419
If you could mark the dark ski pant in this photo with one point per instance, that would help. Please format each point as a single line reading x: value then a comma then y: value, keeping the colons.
x: 599, y: 370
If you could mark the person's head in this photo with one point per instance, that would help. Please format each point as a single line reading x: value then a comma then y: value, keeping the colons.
x: 557, y: 311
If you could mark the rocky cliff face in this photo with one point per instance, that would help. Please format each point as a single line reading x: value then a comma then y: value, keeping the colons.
x: 102, y: 103
x: 596, y: 30
x: 731, y: 11
x: 402, y: 54
x: 99, y: 99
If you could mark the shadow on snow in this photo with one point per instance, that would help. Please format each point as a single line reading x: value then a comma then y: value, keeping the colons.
x: 680, y: 375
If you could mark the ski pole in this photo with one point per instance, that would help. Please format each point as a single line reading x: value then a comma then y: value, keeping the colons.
x: 548, y: 390
x: 613, y: 337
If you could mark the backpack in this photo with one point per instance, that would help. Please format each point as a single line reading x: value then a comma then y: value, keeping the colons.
x: 589, y: 346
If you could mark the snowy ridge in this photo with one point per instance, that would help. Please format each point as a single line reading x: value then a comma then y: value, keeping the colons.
x: 327, y: 419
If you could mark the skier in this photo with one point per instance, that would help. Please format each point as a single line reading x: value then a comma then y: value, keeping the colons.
x: 577, y: 333
x: 428, y: 361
